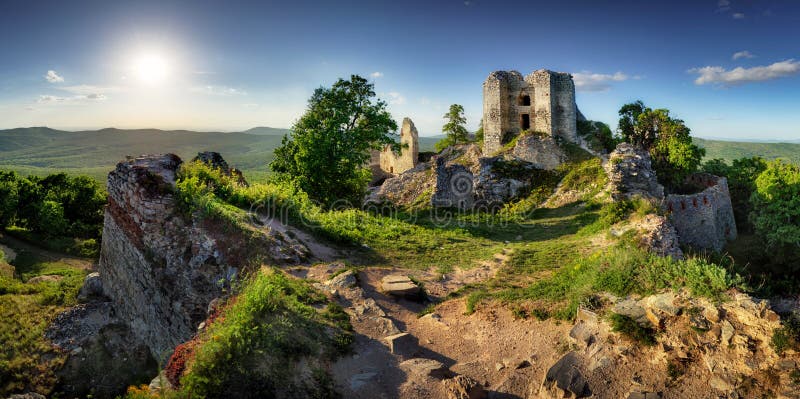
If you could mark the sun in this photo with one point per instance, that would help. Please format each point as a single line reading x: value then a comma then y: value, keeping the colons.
x: 151, y: 68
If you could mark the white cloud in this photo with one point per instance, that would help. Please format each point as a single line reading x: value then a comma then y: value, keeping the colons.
x: 396, y: 98
x: 587, y: 81
x: 723, y: 5
x: 718, y: 75
x: 376, y: 75
x: 219, y: 90
x: 742, y: 54
x: 51, y: 99
x: 90, y: 89
x: 53, y: 77
x: 738, y: 15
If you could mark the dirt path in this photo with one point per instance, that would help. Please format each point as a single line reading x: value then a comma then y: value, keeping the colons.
x: 502, y: 353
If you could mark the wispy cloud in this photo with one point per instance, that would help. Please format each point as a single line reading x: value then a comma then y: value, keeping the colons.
x: 90, y: 89
x: 219, y: 90
x: 396, y: 98
x: 738, y: 15
x: 587, y: 81
x: 742, y: 54
x: 51, y: 99
x: 717, y: 75
x: 376, y: 75
x: 723, y: 5
x: 52, y: 77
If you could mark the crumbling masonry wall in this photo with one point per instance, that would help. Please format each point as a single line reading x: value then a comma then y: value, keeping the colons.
x: 543, y: 101
x: 161, y: 267
x: 703, y: 220
x: 394, y: 163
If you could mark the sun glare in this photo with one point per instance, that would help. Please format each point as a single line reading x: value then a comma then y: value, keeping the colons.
x: 151, y: 68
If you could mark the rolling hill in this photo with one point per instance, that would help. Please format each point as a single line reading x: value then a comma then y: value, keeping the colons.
x: 730, y: 150
x: 42, y: 151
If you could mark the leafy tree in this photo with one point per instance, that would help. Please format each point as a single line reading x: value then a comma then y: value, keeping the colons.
x: 479, y: 133
x: 598, y: 134
x: 51, y: 221
x: 9, y: 198
x: 776, y: 212
x: 454, y: 128
x: 328, y: 148
x: 667, y: 139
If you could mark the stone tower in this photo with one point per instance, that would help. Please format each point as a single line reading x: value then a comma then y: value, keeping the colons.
x: 543, y: 101
x: 394, y: 163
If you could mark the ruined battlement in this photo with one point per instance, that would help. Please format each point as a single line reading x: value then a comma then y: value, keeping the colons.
x: 543, y: 101
x: 703, y: 220
x: 397, y: 163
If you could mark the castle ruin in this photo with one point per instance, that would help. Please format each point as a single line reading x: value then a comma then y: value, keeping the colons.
x: 543, y: 101
x: 704, y: 220
x: 394, y: 163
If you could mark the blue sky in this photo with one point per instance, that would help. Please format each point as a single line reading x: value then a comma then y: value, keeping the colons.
x: 729, y: 68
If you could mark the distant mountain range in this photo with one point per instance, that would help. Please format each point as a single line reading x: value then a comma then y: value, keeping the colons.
x: 42, y: 150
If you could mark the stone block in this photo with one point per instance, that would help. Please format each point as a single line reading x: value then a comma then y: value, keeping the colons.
x: 403, y: 344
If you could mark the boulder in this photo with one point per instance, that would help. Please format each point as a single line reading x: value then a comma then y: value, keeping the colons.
x: 343, y: 280
x: 583, y: 332
x: 399, y: 285
x: 92, y: 287
x: 403, y: 344
x: 463, y: 387
x: 564, y: 380
x: 634, y: 310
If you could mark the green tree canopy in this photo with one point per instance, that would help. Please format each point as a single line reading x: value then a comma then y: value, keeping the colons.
x: 328, y: 149
x: 776, y: 212
x: 667, y: 139
x: 454, y: 128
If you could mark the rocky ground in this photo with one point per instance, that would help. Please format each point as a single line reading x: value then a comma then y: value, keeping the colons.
x: 702, y: 349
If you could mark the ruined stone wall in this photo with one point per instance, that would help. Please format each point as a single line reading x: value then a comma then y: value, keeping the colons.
x: 160, y: 267
x: 454, y: 186
x: 394, y: 163
x: 703, y: 220
x: 543, y: 101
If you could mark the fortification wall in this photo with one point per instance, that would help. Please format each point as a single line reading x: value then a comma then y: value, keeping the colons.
x: 703, y: 220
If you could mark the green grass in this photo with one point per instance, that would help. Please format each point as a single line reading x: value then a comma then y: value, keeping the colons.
x: 253, y: 350
x: 27, y: 361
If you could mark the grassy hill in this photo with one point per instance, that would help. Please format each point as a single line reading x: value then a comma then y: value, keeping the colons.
x: 42, y: 151
x: 730, y: 150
